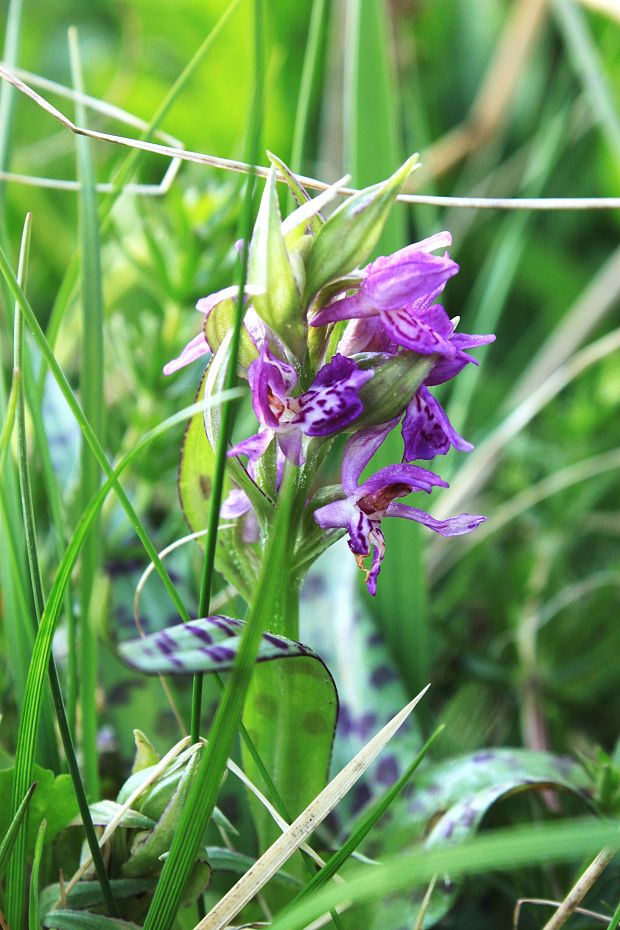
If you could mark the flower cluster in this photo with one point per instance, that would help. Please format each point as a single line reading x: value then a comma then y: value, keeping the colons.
x: 330, y: 349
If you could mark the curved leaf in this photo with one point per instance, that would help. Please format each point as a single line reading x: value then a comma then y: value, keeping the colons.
x: 206, y: 645
x: 452, y: 798
x: 83, y: 920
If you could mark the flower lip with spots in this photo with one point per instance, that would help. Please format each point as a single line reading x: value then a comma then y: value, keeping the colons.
x: 365, y: 505
x: 330, y: 404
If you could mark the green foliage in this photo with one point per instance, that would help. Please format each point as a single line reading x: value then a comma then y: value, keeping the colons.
x: 53, y: 801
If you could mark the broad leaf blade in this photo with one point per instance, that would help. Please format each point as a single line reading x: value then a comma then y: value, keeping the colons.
x: 290, y: 715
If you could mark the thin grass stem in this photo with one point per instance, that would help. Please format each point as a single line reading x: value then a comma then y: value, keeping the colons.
x: 92, y: 397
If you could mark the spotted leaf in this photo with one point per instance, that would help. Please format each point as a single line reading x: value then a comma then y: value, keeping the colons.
x: 206, y: 645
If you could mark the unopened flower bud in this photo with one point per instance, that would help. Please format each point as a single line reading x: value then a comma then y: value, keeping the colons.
x: 353, y: 230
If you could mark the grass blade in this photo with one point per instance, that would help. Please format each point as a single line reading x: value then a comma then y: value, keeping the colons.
x: 369, y: 820
x: 8, y: 841
x: 43, y: 643
x: 309, y: 75
x: 37, y: 587
x: 230, y: 378
x: 128, y: 169
x: 92, y: 397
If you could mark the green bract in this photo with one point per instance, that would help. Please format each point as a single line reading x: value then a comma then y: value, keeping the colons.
x: 395, y: 379
x: 353, y: 230
x: 270, y: 270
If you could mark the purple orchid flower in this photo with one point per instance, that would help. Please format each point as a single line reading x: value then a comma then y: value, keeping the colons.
x: 199, y: 346
x: 449, y: 367
x: 390, y: 286
x: 237, y: 505
x: 366, y: 504
x: 328, y: 406
x: 426, y: 429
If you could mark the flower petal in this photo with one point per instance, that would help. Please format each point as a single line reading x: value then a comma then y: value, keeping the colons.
x: 270, y: 378
x: 359, y: 450
x: 254, y: 446
x: 399, y: 279
x: 236, y: 504
x: 355, y: 307
x: 428, y: 334
x: 378, y: 540
x: 337, y: 514
x: 418, y: 479
x: 289, y: 441
x: 367, y: 335
x: 426, y: 429
x: 452, y: 526
x: 195, y: 348
x: 331, y: 403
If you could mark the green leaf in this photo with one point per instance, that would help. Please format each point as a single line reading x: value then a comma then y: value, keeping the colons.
x: 502, y: 849
x: 83, y: 920
x: 290, y: 715
x: 452, y: 798
x: 54, y: 801
x: 352, y: 231
x: 218, y: 323
x: 206, y: 645
x: 214, y: 383
x: 103, y: 812
x: 146, y: 754
x: 270, y: 270
x: 235, y: 561
x: 89, y: 894
x: 10, y: 835
x: 394, y: 382
x: 369, y: 687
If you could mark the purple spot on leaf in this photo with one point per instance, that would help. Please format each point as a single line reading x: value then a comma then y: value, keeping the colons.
x: 365, y: 724
x: 387, y: 770
x: 220, y: 653
x: 199, y: 633
x: 361, y: 797
x: 275, y: 641
x: 167, y: 646
x: 382, y: 675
